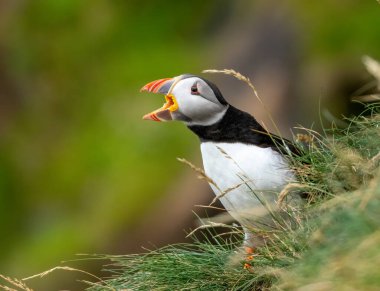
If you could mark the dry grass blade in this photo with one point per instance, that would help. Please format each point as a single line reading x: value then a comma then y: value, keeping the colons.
x: 245, y: 79
x: 227, y: 156
x: 238, y: 76
x: 2, y: 287
x: 15, y: 282
x: 225, y: 192
x: 288, y: 189
x: 223, y: 217
x: 209, y: 206
x: 224, y: 153
x: 202, y: 174
x: 66, y: 268
x: 210, y: 225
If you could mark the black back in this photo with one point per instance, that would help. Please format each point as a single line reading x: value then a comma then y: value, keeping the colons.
x: 239, y: 126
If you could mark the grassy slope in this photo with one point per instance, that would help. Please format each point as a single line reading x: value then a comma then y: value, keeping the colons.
x: 336, y: 244
x: 344, y: 251
x: 333, y: 244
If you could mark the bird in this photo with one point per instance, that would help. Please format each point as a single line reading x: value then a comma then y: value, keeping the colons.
x: 246, y: 165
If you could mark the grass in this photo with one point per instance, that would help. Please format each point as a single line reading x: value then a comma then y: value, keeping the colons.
x: 335, y: 245
x: 332, y: 244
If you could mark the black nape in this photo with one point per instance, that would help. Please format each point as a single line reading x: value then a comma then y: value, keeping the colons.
x: 239, y: 126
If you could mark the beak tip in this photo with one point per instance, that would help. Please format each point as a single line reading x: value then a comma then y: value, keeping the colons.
x: 150, y: 116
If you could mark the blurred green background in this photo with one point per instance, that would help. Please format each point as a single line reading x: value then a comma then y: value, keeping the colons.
x: 78, y: 166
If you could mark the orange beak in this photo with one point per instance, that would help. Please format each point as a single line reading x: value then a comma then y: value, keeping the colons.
x: 161, y: 86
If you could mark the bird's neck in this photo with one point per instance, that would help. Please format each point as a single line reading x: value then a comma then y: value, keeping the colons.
x: 234, y: 126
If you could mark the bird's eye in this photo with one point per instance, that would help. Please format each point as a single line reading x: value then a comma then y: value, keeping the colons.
x: 194, y: 89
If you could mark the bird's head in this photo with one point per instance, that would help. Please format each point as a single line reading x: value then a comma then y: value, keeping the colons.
x: 189, y: 98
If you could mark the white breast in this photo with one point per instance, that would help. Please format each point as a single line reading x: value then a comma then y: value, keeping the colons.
x: 258, y: 173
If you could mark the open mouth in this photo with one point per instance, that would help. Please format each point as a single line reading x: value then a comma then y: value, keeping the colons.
x: 163, y: 113
x: 171, y: 103
x: 162, y: 86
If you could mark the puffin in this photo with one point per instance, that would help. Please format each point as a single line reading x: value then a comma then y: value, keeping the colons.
x: 246, y: 166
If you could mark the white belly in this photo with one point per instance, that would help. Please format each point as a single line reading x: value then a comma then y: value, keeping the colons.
x: 258, y: 173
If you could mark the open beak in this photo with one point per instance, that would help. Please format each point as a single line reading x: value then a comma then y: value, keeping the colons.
x: 162, y: 86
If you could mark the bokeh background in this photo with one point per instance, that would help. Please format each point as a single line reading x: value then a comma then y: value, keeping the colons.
x: 80, y: 172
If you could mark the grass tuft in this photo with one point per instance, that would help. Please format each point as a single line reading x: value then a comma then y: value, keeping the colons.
x: 333, y: 242
x: 13, y: 284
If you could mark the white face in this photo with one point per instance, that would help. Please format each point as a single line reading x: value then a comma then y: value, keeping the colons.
x: 197, y: 103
